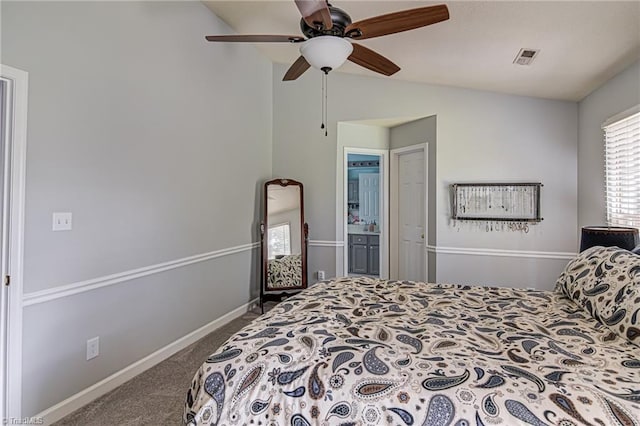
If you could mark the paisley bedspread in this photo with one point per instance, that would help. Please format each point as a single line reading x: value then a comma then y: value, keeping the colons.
x: 358, y: 351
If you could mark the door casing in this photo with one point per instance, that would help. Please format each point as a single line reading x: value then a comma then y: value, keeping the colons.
x: 17, y: 82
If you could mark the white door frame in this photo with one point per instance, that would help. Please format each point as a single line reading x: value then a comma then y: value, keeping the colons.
x: 393, y: 203
x: 384, y: 210
x: 14, y: 190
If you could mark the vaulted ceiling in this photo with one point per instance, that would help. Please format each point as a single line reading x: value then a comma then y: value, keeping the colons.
x: 582, y: 43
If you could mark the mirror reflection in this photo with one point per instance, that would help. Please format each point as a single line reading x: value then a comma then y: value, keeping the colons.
x: 283, y: 238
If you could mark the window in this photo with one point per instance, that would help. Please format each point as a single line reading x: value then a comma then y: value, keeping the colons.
x: 279, y: 240
x: 622, y: 168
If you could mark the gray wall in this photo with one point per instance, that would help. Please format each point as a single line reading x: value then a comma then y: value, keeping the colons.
x: 481, y: 136
x: 158, y: 142
x: 618, y: 94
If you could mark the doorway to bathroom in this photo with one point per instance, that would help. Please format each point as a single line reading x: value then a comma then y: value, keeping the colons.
x: 366, y: 210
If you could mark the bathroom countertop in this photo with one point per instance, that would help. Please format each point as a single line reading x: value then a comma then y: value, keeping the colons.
x: 359, y: 229
x: 364, y: 233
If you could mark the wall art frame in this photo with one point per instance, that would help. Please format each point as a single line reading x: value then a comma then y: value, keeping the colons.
x: 497, y: 202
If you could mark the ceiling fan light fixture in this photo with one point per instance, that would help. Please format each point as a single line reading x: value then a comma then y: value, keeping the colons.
x: 326, y: 52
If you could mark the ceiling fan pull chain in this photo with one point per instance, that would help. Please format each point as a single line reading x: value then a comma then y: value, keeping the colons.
x: 326, y: 92
x: 322, y: 99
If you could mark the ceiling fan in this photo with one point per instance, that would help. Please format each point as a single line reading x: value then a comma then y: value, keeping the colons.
x: 327, y: 29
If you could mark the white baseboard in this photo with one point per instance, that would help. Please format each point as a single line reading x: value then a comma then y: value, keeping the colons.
x: 82, y: 398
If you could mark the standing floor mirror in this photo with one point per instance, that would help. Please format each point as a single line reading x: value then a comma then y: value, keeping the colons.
x: 284, y: 240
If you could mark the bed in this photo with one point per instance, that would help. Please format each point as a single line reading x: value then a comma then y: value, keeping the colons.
x: 359, y: 351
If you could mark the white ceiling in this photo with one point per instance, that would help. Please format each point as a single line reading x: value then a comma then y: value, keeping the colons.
x: 582, y: 43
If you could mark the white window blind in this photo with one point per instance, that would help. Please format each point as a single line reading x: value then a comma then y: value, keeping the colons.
x: 279, y: 240
x: 622, y: 167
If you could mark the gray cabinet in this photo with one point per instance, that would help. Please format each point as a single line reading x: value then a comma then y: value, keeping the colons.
x: 364, y: 254
x: 374, y: 260
x: 358, y: 258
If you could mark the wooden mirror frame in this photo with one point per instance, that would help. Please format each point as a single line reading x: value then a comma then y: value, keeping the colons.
x: 277, y: 294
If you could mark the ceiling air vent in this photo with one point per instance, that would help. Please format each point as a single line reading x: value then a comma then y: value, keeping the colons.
x: 525, y: 56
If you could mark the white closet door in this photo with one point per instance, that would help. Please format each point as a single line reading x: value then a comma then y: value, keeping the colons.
x: 411, y: 211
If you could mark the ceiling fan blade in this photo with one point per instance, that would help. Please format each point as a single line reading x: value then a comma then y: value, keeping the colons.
x: 256, y: 38
x: 369, y: 59
x: 315, y: 12
x: 397, y: 22
x: 297, y: 69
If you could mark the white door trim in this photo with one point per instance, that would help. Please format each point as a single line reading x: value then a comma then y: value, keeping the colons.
x: 384, y: 190
x: 393, y: 203
x: 18, y: 82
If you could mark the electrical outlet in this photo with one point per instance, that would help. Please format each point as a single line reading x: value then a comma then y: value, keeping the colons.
x: 62, y: 221
x: 93, y: 348
x: 320, y: 275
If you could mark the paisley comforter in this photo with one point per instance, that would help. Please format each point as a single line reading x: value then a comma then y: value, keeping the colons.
x: 373, y: 352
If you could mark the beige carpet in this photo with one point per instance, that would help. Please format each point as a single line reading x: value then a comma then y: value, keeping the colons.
x: 155, y: 397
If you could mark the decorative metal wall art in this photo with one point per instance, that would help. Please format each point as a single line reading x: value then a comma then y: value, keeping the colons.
x: 497, y: 206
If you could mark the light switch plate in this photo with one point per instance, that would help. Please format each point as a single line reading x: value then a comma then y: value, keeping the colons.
x: 62, y: 221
